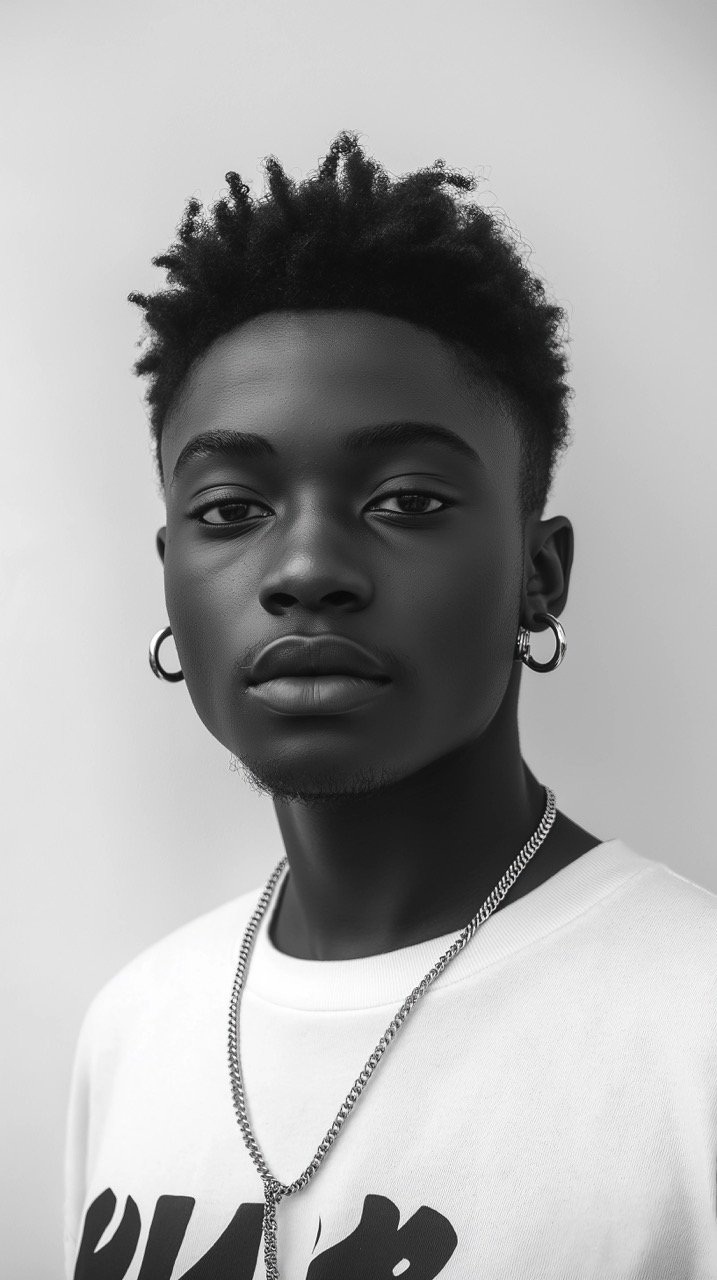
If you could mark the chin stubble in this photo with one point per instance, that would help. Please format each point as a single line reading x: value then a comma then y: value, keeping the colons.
x: 323, y: 791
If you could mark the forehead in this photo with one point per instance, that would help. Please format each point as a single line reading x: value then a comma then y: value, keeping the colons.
x: 301, y: 377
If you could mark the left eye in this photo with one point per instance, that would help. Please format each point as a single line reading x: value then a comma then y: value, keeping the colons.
x: 403, y: 495
x: 415, y: 497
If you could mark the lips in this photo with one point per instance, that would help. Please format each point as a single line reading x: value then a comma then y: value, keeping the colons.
x: 313, y: 656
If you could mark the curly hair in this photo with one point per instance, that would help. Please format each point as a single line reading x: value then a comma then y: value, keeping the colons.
x: 349, y: 236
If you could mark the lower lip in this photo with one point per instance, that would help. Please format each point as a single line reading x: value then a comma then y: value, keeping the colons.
x: 317, y: 695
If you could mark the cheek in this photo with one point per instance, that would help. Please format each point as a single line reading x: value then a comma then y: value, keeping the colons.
x: 203, y: 609
x: 465, y: 622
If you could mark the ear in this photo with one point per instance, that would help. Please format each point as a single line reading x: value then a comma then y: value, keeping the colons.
x: 549, y: 548
x: 161, y: 541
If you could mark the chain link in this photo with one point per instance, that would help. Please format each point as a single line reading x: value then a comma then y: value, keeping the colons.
x: 274, y: 1191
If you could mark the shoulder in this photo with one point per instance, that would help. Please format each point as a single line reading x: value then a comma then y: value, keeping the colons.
x: 179, y: 967
x: 668, y: 927
x: 691, y: 906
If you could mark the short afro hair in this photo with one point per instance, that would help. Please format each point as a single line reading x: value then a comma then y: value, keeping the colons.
x: 349, y: 236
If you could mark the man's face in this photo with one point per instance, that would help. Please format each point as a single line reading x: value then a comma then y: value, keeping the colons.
x: 313, y: 539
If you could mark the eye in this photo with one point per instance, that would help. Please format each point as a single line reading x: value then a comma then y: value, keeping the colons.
x: 416, y: 499
x: 233, y: 505
x: 237, y: 508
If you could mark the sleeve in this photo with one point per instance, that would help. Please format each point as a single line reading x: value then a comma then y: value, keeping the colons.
x: 76, y: 1143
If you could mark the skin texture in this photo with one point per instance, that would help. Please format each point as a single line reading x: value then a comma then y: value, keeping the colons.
x: 398, y: 818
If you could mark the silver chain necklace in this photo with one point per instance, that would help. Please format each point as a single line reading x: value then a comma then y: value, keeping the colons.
x: 274, y: 1191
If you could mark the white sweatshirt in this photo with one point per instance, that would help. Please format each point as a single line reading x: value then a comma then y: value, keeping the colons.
x: 548, y: 1111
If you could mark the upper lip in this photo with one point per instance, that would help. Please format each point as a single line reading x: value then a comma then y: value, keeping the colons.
x: 314, y: 655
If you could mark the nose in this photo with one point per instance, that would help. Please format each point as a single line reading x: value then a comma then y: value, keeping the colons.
x: 317, y: 573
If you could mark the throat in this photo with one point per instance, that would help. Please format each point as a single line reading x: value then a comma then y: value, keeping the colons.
x: 290, y: 934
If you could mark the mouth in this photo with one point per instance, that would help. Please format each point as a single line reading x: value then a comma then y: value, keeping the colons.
x: 315, y: 657
x: 325, y: 694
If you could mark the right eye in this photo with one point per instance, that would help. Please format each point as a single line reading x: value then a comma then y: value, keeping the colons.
x: 224, y: 504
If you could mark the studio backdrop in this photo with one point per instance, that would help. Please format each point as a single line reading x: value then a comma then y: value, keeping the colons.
x: 591, y: 127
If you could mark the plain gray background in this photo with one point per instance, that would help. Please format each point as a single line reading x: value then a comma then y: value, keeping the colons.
x: 592, y: 126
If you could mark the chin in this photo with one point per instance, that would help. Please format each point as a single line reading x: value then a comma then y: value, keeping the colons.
x: 287, y: 783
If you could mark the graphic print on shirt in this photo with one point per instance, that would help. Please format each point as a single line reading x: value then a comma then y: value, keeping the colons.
x: 372, y: 1251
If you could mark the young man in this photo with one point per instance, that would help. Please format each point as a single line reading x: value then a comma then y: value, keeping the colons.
x: 358, y: 400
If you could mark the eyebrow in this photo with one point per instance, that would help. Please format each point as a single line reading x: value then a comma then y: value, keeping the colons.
x: 247, y: 445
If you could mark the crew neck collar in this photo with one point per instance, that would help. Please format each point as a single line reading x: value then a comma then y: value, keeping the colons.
x: 387, y: 978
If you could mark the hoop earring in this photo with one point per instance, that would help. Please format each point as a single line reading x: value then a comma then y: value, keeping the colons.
x: 154, y: 662
x: 522, y: 649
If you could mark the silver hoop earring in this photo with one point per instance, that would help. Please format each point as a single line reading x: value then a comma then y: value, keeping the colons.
x: 522, y: 649
x: 154, y: 662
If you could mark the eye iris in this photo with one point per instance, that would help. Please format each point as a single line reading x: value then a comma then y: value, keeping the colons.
x: 412, y: 499
x: 223, y: 507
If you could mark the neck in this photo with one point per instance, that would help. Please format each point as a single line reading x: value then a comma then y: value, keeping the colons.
x: 413, y: 860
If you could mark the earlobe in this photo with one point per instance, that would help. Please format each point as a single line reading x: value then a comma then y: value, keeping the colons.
x: 161, y: 541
